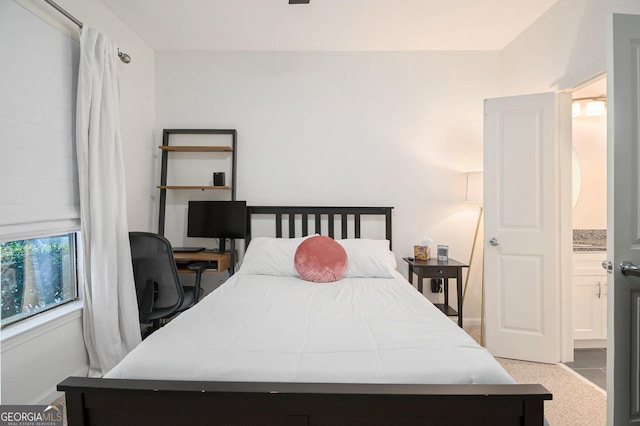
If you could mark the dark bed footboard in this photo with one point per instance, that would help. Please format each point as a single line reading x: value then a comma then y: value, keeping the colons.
x: 152, y: 402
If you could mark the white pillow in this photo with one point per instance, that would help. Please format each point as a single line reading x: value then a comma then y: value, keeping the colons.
x: 271, y: 256
x: 368, y: 258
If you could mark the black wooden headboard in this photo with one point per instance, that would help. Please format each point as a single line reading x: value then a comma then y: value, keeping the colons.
x: 316, y: 214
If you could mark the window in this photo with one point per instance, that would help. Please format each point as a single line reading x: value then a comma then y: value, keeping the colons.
x: 36, y: 275
x: 38, y: 167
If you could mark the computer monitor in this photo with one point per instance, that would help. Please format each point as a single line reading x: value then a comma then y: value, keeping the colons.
x: 217, y: 219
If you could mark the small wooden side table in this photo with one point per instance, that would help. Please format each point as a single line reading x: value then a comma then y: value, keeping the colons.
x: 432, y: 268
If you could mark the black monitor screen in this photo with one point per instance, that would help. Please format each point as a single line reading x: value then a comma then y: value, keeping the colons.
x: 217, y: 219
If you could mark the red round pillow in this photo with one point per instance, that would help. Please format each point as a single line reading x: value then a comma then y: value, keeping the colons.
x: 320, y: 259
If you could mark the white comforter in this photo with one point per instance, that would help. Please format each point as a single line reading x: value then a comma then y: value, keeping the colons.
x: 262, y: 328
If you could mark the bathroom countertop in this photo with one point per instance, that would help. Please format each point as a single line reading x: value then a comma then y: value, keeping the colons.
x: 589, y: 240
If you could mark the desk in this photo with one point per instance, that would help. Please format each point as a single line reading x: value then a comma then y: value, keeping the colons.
x: 433, y: 269
x: 218, y: 262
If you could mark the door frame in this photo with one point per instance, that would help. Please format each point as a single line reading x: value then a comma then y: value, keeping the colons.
x: 565, y: 258
x: 566, y: 250
x: 565, y: 119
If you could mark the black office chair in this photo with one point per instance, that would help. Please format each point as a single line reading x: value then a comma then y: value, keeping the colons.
x: 160, y: 294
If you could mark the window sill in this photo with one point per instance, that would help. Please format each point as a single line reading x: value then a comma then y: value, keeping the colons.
x: 31, y: 328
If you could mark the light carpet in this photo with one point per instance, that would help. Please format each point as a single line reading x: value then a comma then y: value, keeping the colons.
x: 576, y: 401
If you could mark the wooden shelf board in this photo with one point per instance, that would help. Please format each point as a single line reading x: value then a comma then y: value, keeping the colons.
x: 206, y: 271
x: 203, y: 187
x: 448, y: 310
x: 196, y: 148
x: 218, y: 262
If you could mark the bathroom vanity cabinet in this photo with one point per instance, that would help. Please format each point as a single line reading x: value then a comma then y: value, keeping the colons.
x: 589, y: 299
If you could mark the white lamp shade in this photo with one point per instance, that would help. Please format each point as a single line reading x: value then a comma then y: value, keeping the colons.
x: 474, y: 193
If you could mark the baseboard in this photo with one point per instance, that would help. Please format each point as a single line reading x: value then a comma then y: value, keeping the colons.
x: 52, y: 394
x: 590, y: 344
x: 470, y: 322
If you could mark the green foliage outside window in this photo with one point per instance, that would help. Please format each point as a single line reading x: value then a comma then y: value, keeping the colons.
x: 36, y: 274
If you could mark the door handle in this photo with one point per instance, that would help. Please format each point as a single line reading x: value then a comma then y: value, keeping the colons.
x: 608, y: 266
x: 494, y: 241
x: 628, y: 268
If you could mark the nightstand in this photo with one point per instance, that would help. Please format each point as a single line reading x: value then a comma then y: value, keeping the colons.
x: 432, y: 268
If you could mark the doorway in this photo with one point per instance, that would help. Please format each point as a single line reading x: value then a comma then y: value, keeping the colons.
x: 589, y: 225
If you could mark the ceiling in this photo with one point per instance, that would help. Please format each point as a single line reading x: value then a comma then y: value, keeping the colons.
x: 328, y: 25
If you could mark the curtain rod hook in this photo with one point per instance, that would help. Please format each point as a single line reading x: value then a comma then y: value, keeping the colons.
x: 124, y: 57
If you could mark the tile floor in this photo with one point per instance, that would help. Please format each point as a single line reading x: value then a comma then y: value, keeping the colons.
x: 591, y: 364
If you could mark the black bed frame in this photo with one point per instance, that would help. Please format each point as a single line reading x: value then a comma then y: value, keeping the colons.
x: 316, y: 214
x: 92, y: 401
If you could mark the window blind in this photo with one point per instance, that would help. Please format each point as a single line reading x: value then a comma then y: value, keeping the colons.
x: 38, y: 169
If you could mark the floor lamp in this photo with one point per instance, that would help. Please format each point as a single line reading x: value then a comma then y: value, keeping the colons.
x: 474, y: 195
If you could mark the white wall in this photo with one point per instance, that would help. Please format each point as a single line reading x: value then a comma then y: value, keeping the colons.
x: 36, y: 355
x: 562, y: 49
x: 346, y: 128
x: 37, y: 358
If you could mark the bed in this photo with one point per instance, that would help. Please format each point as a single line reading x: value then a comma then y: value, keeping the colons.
x: 268, y: 347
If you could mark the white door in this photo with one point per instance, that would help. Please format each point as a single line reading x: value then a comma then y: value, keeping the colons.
x: 623, y: 215
x: 524, y: 205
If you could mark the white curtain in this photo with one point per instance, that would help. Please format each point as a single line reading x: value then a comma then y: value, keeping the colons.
x: 110, y: 317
